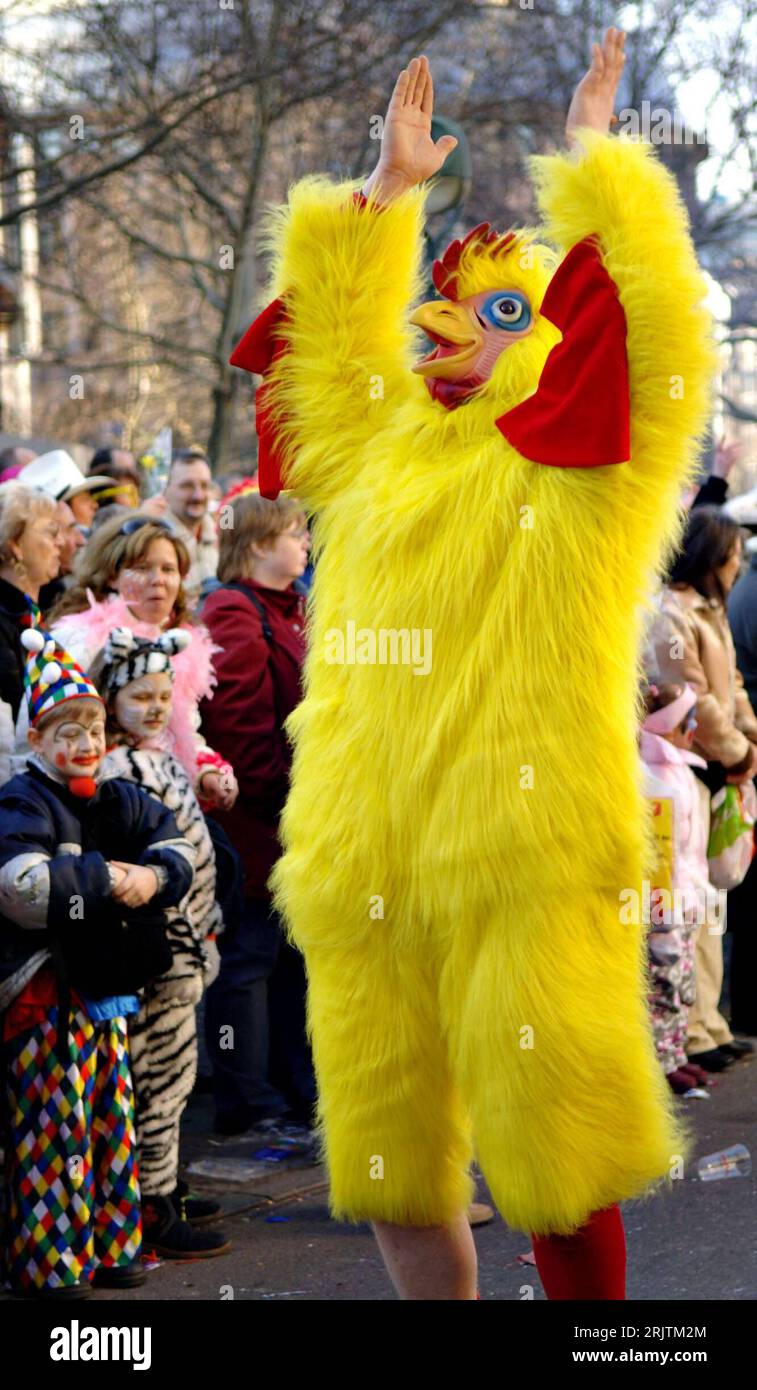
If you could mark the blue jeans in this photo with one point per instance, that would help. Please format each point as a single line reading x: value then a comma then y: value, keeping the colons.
x: 255, y: 1024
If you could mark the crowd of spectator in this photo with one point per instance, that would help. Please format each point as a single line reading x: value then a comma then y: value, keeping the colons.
x: 699, y: 751
x: 184, y: 611
x: 174, y: 631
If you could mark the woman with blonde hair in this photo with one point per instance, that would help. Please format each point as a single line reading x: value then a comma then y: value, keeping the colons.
x: 130, y: 574
x: 29, y: 559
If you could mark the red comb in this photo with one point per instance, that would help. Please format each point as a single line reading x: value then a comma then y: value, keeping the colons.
x: 444, y: 272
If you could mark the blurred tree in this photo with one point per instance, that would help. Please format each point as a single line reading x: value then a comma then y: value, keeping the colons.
x: 156, y: 133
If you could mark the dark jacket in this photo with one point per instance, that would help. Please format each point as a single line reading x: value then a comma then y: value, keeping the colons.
x: 742, y: 616
x: 259, y: 684
x: 712, y: 493
x: 13, y: 607
x: 49, y: 595
x: 54, y: 845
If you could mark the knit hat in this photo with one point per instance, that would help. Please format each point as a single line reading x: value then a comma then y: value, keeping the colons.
x: 52, y: 676
x: 126, y: 657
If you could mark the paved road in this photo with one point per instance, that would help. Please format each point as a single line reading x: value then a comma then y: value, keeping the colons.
x: 696, y: 1241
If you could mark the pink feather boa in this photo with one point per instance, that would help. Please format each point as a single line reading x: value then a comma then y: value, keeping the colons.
x: 85, y: 634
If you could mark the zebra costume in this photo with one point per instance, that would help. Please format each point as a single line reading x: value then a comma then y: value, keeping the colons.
x: 163, y: 1035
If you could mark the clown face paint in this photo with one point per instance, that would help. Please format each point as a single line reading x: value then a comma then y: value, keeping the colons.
x: 143, y: 707
x: 72, y: 741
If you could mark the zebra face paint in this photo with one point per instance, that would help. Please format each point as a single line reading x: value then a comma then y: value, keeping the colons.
x: 143, y: 707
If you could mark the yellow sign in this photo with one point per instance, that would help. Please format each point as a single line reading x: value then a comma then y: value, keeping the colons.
x: 662, y: 830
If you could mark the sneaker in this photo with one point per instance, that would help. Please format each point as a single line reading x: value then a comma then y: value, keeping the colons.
x: 165, y: 1233
x: 293, y: 1131
x: 119, y: 1276
x: 715, y: 1059
x: 297, y: 1140
x: 198, y: 1211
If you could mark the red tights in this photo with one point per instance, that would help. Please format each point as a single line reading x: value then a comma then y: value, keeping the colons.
x: 588, y: 1265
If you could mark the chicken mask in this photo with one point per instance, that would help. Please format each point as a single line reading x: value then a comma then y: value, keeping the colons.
x: 471, y: 330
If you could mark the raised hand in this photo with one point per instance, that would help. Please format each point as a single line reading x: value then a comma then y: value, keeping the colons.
x: 409, y: 155
x: 726, y: 455
x: 594, y: 98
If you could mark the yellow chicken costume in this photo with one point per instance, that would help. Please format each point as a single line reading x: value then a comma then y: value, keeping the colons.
x: 459, y: 840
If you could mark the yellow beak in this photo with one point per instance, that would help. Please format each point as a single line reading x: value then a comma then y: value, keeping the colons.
x: 457, y: 338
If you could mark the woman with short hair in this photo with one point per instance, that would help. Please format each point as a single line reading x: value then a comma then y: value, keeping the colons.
x: 257, y: 617
x: 29, y: 559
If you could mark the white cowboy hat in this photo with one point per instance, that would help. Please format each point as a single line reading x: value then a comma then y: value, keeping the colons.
x: 57, y: 475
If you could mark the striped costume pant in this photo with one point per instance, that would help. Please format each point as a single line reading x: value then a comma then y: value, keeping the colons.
x: 163, y: 1050
x: 71, y: 1173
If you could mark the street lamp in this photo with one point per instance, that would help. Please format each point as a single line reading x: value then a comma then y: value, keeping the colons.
x: 449, y: 188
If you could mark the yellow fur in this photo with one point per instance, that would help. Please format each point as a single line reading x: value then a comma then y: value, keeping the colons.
x: 492, y: 806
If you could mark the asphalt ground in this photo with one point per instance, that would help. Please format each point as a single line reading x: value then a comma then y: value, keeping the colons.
x: 692, y: 1241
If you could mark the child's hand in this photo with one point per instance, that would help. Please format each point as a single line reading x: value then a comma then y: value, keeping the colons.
x: 594, y: 97
x: 747, y: 774
x: 138, y: 885
x: 220, y: 788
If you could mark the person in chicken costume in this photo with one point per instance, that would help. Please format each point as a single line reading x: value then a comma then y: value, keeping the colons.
x: 459, y: 843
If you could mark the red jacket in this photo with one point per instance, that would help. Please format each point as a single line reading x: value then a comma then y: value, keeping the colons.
x: 258, y: 686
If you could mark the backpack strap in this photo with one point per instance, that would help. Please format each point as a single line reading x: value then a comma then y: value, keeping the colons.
x: 268, y: 635
x: 256, y: 603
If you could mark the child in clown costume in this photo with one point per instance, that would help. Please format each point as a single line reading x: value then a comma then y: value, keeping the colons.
x: 87, y: 866
x: 457, y: 843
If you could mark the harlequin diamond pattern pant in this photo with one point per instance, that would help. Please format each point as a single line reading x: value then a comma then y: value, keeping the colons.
x: 73, y: 1192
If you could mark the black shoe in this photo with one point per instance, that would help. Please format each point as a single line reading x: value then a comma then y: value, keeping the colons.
x: 739, y: 1047
x: 716, y: 1059
x: 198, y: 1211
x: 64, y: 1293
x: 165, y: 1233
x: 119, y: 1276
